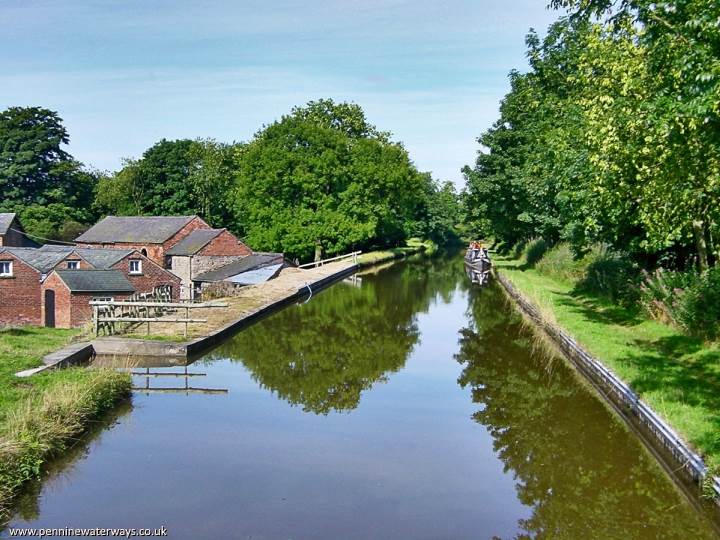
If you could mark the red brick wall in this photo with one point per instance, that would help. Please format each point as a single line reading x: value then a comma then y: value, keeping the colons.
x: 20, y: 294
x: 225, y: 243
x: 62, y: 301
x: 72, y: 309
x: 81, y: 311
x: 153, y: 275
x: 155, y: 251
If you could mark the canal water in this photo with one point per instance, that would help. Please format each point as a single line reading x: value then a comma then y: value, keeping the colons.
x: 406, y: 403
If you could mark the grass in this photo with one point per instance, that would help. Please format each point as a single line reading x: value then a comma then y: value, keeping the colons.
x: 414, y: 245
x: 678, y: 376
x: 41, y: 416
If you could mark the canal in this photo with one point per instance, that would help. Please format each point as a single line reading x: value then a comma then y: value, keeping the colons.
x: 405, y: 403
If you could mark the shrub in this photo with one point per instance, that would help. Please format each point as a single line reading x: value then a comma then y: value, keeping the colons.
x: 688, y: 300
x: 612, y: 275
x: 561, y: 263
x: 516, y: 250
x: 534, y: 251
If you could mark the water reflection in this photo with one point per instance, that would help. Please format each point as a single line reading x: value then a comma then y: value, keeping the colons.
x: 322, y: 355
x: 583, y: 476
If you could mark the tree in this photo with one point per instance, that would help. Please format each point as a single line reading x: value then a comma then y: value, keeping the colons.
x: 37, y: 176
x: 323, y: 177
x: 178, y: 177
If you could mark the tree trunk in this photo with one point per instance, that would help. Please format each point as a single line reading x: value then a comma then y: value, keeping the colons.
x: 701, y: 246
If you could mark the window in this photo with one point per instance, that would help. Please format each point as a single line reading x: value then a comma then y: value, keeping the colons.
x: 6, y: 269
x: 73, y: 265
x: 135, y: 266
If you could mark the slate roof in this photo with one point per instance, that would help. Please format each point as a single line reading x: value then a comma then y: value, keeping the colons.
x: 244, y: 264
x: 6, y: 219
x: 136, y: 229
x: 98, y: 257
x: 194, y: 242
x: 40, y: 259
x: 96, y: 281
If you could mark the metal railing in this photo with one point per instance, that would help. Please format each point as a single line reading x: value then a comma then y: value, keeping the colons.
x: 315, y: 264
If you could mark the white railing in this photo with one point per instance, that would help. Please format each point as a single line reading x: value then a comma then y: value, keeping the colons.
x: 315, y: 264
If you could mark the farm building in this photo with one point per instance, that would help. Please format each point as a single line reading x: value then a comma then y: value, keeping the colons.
x: 67, y: 294
x: 201, y: 251
x: 28, y: 280
x: 152, y: 236
x: 12, y: 232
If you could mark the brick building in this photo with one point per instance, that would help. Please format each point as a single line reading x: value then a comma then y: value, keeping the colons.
x: 66, y: 294
x: 201, y: 251
x: 19, y: 290
x: 12, y: 232
x: 152, y: 236
x: 34, y: 288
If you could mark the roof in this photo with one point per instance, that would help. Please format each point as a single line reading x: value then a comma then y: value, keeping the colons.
x: 194, y: 242
x: 244, y: 264
x: 6, y: 219
x: 95, y: 281
x: 40, y: 259
x: 257, y: 275
x: 101, y: 258
x: 136, y: 229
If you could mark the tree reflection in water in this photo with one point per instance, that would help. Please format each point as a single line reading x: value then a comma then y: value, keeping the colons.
x: 580, y: 469
x: 323, y: 354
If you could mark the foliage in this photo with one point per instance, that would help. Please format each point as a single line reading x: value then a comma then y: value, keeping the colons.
x: 612, y: 275
x: 534, y: 251
x: 38, y: 178
x: 561, y: 263
x: 180, y: 177
x: 689, y: 300
x: 323, y: 179
x: 612, y: 136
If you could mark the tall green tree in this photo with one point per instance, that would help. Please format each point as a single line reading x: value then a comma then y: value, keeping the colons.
x: 323, y: 179
x: 38, y: 178
x: 174, y: 178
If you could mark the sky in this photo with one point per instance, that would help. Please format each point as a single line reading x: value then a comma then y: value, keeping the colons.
x: 124, y: 74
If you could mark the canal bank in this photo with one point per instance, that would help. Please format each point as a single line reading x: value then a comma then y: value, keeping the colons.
x: 656, y: 378
x: 674, y: 453
x: 405, y: 404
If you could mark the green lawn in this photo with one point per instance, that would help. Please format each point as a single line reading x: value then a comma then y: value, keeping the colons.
x: 677, y: 375
x: 42, y: 415
x: 22, y: 348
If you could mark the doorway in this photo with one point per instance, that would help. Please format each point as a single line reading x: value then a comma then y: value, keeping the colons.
x: 50, y: 308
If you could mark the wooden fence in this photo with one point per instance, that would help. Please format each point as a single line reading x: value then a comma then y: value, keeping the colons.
x: 111, y: 317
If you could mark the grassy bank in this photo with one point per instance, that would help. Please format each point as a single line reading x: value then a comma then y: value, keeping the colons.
x: 413, y: 246
x: 677, y: 375
x: 41, y: 416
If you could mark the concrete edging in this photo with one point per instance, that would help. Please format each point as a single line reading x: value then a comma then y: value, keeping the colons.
x: 660, y: 437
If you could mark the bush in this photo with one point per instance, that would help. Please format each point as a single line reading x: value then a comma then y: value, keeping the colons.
x: 561, y: 263
x: 688, y: 300
x: 612, y: 275
x: 534, y: 251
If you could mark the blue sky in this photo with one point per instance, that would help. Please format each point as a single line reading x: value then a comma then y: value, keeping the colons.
x: 124, y: 74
